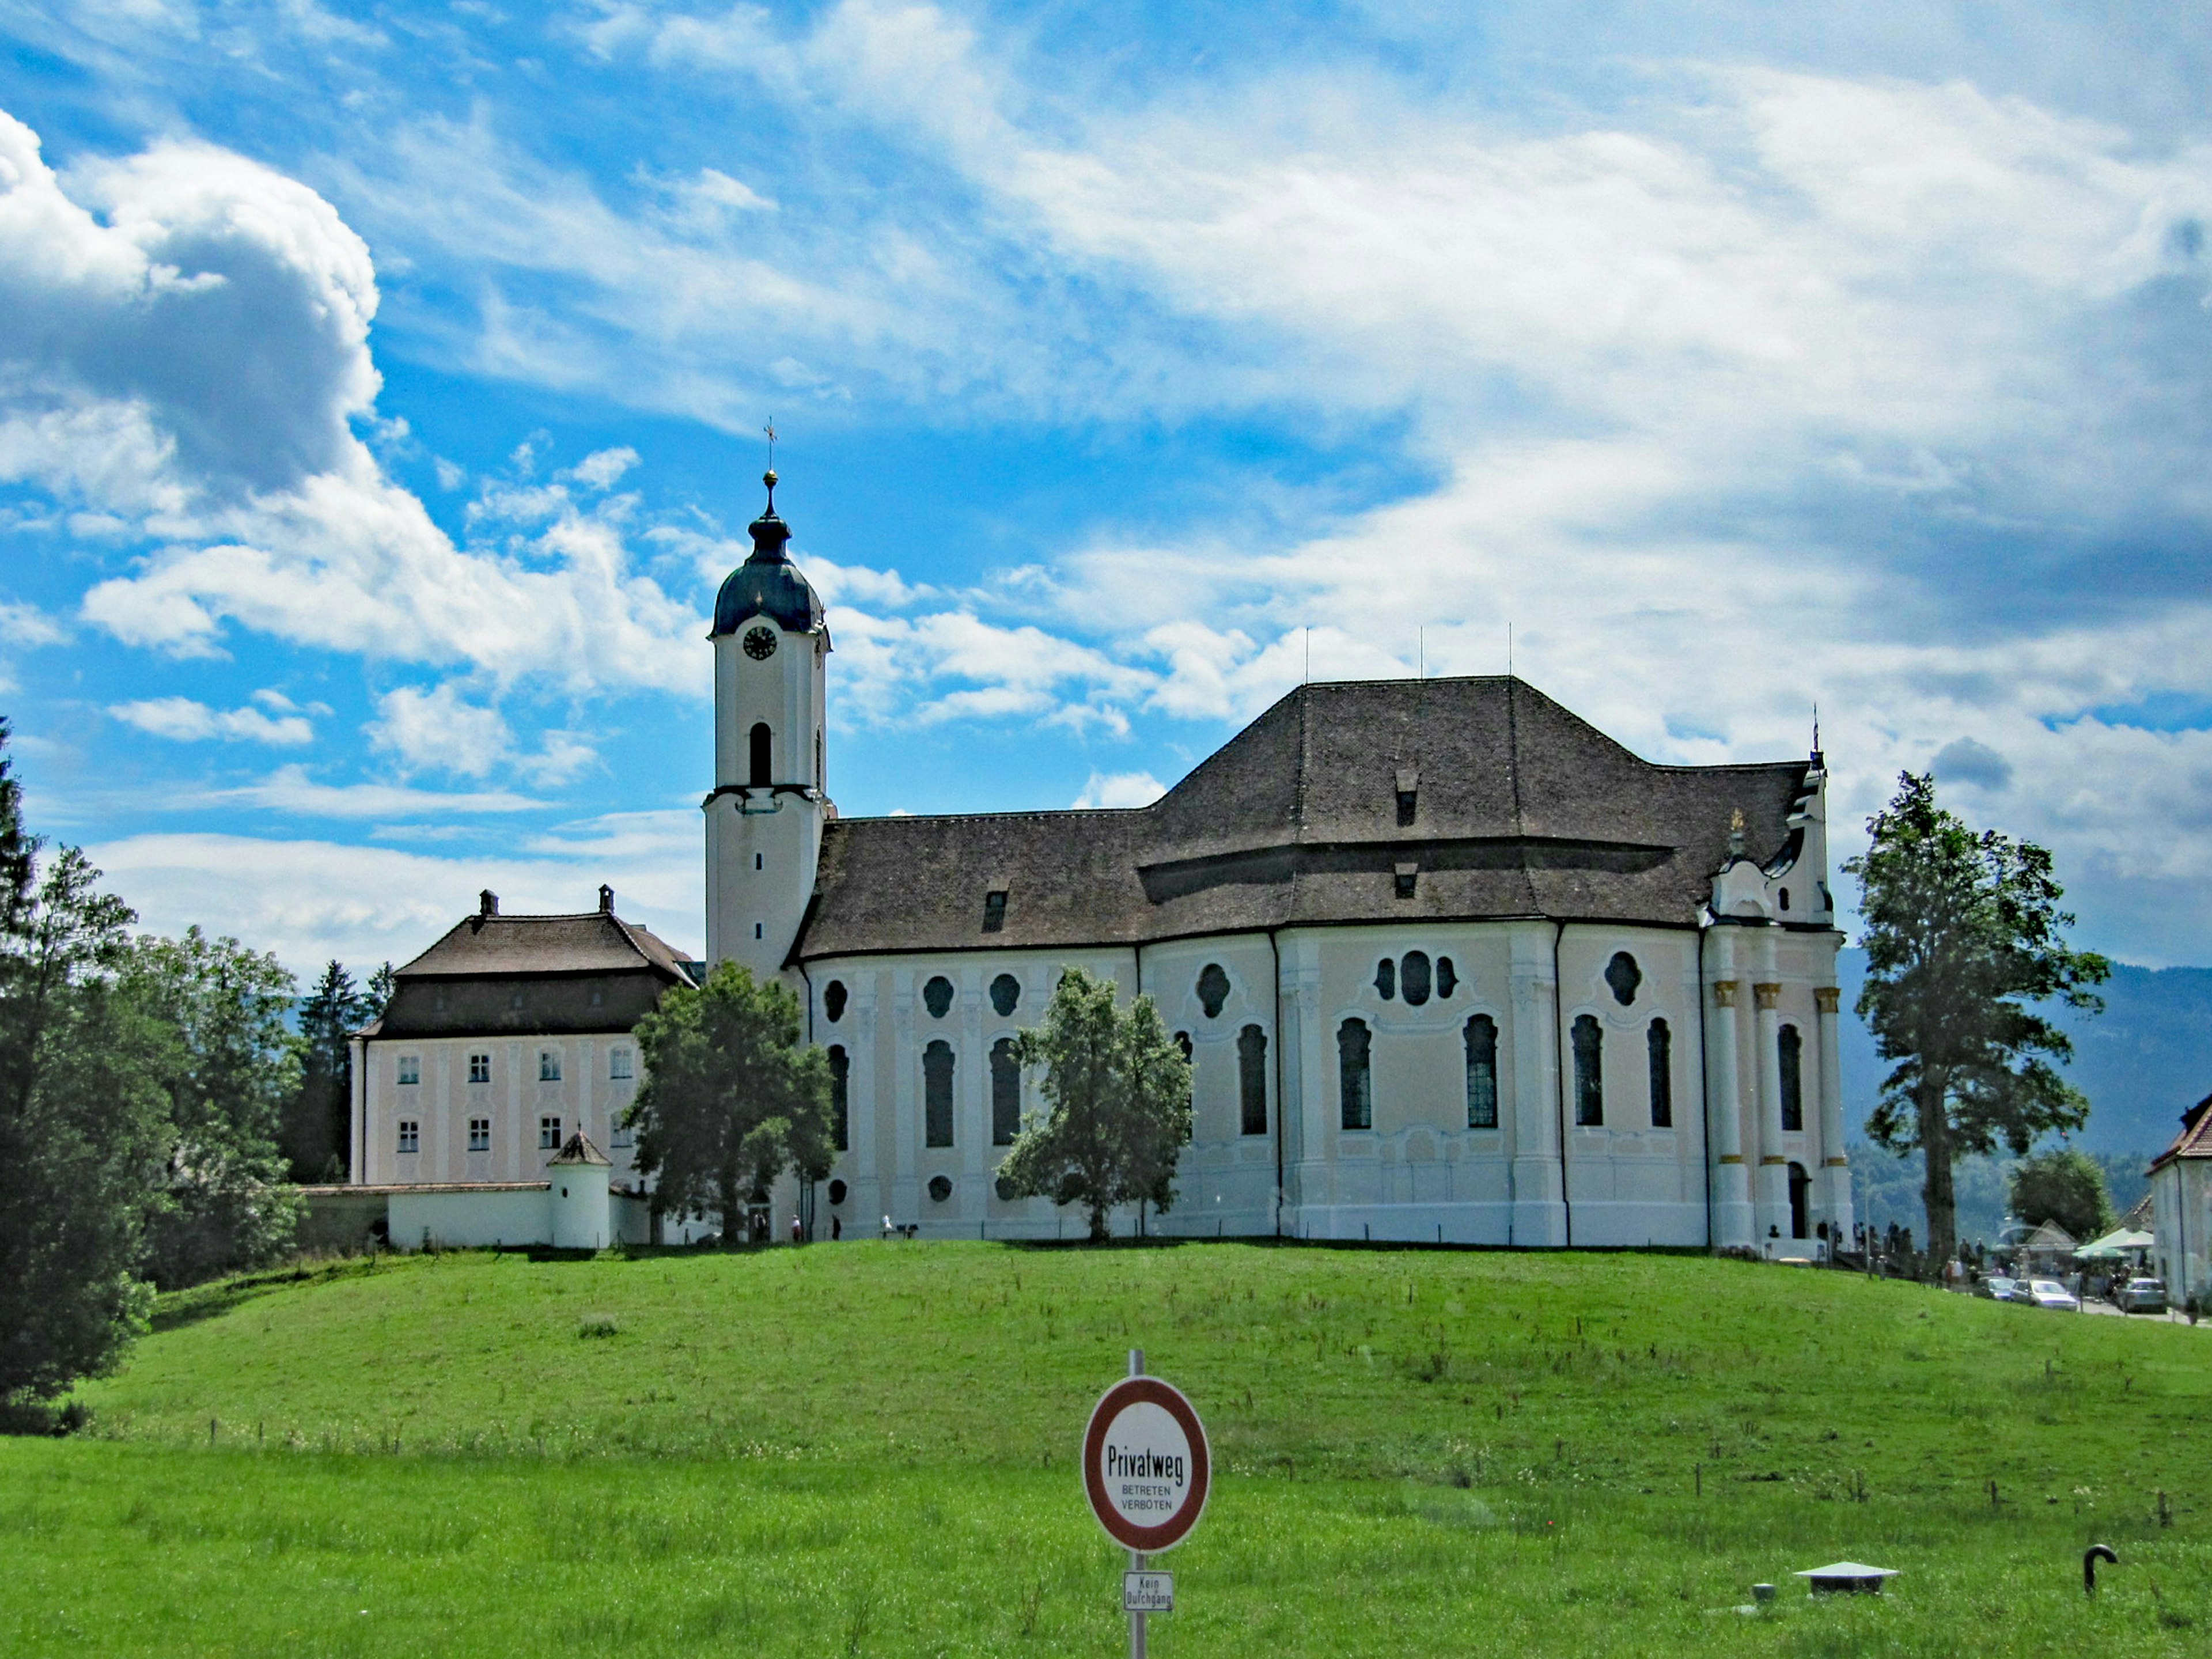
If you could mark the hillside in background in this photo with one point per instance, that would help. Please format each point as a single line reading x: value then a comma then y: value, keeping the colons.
x: 2141, y: 1062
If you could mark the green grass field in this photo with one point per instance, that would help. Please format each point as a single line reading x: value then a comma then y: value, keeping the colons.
x: 871, y: 1450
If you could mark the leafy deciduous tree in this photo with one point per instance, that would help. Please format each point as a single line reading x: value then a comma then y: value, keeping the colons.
x: 228, y: 1067
x: 731, y: 1098
x: 81, y: 1120
x: 1964, y: 938
x: 1119, y: 1094
x: 2064, y: 1185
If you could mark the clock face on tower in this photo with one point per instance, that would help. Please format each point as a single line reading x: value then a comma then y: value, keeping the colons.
x: 760, y: 644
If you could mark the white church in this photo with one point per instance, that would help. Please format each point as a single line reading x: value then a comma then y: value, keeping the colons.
x: 1451, y: 966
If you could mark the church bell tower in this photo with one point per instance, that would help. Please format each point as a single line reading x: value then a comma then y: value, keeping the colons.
x: 764, y: 816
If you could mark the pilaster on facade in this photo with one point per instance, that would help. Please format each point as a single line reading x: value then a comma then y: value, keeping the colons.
x: 1835, y: 1166
x: 1540, y: 1210
x: 1733, y: 1222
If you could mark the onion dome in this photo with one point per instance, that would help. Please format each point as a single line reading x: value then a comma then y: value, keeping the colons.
x: 768, y: 584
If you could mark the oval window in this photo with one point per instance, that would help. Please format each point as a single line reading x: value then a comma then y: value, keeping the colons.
x: 940, y: 1189
x: 1623, y: 977
x: 833, y: 1000
x: 1386, y: 979
x: 1447, y: 977
x: 836, y: 1192
x: 1005, y: 995
x: 1212, y: 989
x: 1005, y: 1188
x: 1414, y: 977
x: 937, y: 996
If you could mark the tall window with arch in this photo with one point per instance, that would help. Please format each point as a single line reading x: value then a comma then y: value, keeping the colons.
x: 1354, y: 1078
x: 1252, y: 1080
x: 1791, y: 1052
x: 1006, y: 1093
x: 1660, y: 1044
x: 937, y: 1094
x: 841, y: 1075
x: 758, y: 767
x: 1588, y: 1042
x: 1479, y: 1035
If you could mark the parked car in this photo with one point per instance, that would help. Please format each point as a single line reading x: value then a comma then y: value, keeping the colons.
x: 1997, y: 1288
x: 2049, y: 1293
x: 2142, y: 1296
x: 2020, y: 1294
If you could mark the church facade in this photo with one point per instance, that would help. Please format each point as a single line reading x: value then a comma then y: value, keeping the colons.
x: 1451, y: 965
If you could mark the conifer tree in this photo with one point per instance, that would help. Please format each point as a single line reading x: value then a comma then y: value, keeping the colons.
x: 1118, y: 1091
x: 1964, y: 944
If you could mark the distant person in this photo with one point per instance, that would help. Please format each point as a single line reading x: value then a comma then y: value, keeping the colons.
x: 887, y: 1226
x: 836, y: 1229
x: 797, y: 1232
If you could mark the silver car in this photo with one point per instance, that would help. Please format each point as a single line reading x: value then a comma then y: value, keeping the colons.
x: 2049, y: 1293
x: 2146, y: 1296
x: 1997, y: 1288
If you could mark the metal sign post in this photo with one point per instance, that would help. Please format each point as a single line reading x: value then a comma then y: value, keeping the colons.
x: 1147, y: 1470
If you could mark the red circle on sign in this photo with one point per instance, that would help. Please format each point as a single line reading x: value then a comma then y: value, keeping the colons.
x: 1144, y: 1391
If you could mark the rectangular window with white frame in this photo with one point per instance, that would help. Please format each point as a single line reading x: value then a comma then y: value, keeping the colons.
x: 410, y: 1070
x: 411, y: 1135
x: 479, y: 1134
x: 480, y: 1068
x: 549, y: 1065
x: 618, y: 1064
x: 549, y: 1134
x: 619, y: 1133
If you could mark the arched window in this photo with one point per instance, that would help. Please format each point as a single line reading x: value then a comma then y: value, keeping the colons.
x: 840, y: 1073
x: 1252, y: 1080
x: 757, y: 773
x: 1386, y: 979
x: 1623, y: 977
x: 1006, y: 1093
x: 1447, y: 978
x: 1480, y: 1036
x: 1354, y: 1085
x: 937, y: 996
x: 833, y: 1000
x: 1183, y: 1044
x: 1413, y: 978
x: 1660, y: 1043
x: 1212, y: 989
x: 1792, y: 1056
x: 1589, y: 1071
x: 937, y: 1093
x: 1005, y: 995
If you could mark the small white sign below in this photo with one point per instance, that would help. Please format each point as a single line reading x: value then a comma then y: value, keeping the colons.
x: 1148, y: 1592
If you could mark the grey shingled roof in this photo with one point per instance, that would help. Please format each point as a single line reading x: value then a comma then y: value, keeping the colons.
x: 1523, y: 809
x: 595, y: 942
x: 544, y: 976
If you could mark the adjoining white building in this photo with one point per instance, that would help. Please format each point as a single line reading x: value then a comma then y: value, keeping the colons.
x: 2181, y: 1207
x: 501, y: 1066
x: 1450, y: 964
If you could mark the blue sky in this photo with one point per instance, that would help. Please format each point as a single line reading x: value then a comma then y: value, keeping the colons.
x: 381, y: 395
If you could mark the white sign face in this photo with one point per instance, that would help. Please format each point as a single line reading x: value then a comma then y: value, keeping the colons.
x: 1146, y: 1465
x: 1148, y: 1592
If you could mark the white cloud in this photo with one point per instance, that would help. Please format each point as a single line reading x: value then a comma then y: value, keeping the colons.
x: 191, y: 365
x: 439, y: 729
x: 289, y: 790
x: 604, y: 468
x: 187, y: 721
x: 310, y: 901
x: 26, y: 625
x: 1119, y: 789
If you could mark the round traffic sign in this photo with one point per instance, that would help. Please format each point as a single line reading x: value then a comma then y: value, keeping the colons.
x: 1146, y: 1467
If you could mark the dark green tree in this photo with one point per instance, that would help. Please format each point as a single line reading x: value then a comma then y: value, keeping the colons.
x: 731, y: 1098
x: 1964, y: 944
x: 81, y: 1121
x: 2064, y: 1185
x: 228, y: 1067
x: 1118, y: 1094
x: 317, y: 1136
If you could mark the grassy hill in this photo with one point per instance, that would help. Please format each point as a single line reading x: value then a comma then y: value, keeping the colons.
x: 869, y: 1450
